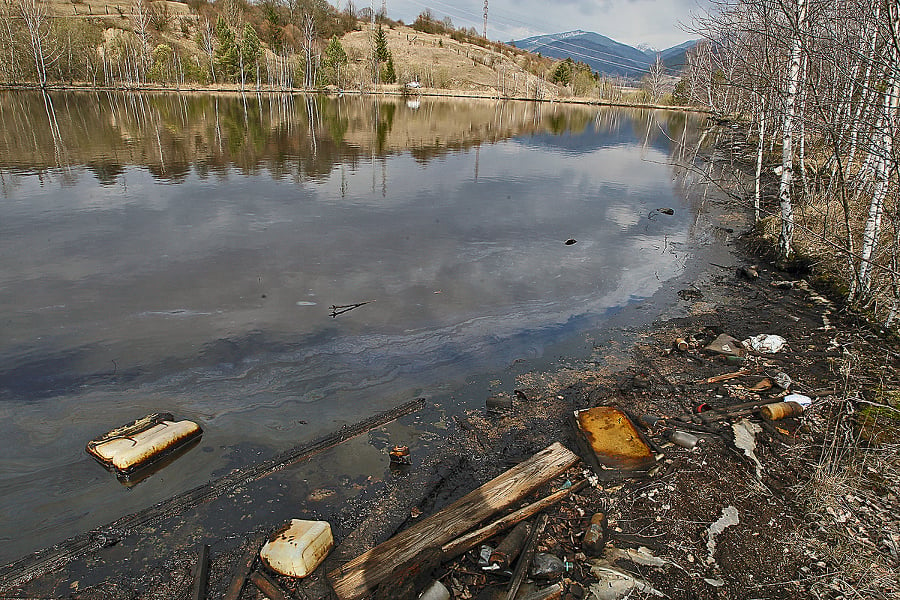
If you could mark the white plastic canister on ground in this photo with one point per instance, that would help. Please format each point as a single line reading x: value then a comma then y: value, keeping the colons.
x: 298, y: 548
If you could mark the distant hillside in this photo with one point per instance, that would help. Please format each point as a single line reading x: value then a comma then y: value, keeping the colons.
x: 604, y: 55
x: 675, y: 58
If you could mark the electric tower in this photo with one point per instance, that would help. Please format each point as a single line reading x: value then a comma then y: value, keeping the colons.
x: 484, y: 31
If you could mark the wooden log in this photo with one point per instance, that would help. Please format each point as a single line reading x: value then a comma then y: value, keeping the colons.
x: 470, y: 540
x: 268, y: 586
x: 360, y: 575
x: 243, y: 568
x: 201, y: 574
x: 525, y: 559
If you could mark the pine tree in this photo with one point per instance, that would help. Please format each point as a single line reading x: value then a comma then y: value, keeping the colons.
x: 333, y: 59
x: 388, y: 75
x: 226, y: 54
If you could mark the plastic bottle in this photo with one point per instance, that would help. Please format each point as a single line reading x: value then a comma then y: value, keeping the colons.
x: 436, y: 591
x: 683, y: 439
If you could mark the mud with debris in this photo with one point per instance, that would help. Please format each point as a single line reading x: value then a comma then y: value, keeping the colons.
x: 748, y: 508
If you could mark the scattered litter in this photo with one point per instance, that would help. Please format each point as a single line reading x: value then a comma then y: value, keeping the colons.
x: 714, y: 582
x: 615, y: 584
x: 745, y: 439
x: 546, y: 566
x: 762, y: 386
x: 750, y: 272
x: 784, y: 285
x: 436, y: 591
x: 400, y: 455
x: 783, y: 380
x: 729, y: 517
x: 641, y: 556
x: 726, y: 345
x: 766, y: 343
x: 800, y: 399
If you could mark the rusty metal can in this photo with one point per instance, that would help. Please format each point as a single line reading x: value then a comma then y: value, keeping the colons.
x: 781, y: 410
x: 400, y: 455
x: 595, y: 536
x: 681, y: 344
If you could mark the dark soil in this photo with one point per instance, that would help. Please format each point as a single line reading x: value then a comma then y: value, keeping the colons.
x: 808, y: 522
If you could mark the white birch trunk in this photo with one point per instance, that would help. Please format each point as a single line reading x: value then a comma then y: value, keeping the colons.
x: 786, y: 237
x: 884, y: 144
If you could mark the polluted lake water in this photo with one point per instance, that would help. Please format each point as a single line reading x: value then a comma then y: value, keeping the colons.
x: 274, y: 268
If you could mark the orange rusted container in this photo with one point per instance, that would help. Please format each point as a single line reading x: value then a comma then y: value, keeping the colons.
x: 780, y: 410
x: 615, y: 441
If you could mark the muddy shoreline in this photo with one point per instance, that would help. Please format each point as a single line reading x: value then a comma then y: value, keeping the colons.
x: 778, y: 535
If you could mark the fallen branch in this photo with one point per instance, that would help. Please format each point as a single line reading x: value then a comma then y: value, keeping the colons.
x: 525, y: 559
x: 339, y: 309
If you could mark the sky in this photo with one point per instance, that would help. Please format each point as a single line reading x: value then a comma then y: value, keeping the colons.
x: 657, y: 23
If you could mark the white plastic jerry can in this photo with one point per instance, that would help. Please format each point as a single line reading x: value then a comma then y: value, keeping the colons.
x: 298, y: 548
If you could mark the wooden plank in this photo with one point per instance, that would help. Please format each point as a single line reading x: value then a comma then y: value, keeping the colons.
x: 201, y: 574
x: 242, y: 569
x: 461, y: 544
x: 360, y: 575
x: 268, y: 586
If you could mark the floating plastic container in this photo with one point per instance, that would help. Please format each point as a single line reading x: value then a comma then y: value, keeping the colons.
x: 140, y: 443
x: 298, y: 548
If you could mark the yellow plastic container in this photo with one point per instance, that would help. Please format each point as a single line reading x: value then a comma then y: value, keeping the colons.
x: 298, y: 548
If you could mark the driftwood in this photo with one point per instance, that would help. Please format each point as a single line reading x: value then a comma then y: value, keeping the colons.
x: 525, y: 559
x: 243, y: 568
x: 201, y: 574
x: 339, y: 309
x: 42, y: 562
x: 360, y: 575
x: 470, y: 540
x: 268, y: 586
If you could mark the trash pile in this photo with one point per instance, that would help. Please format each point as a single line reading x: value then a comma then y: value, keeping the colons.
x: 673, y: 473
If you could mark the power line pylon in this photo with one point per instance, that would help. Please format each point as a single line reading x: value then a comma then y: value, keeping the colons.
x: 484, y: 31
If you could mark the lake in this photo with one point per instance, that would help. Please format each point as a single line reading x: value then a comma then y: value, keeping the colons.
x: 182, y: 253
